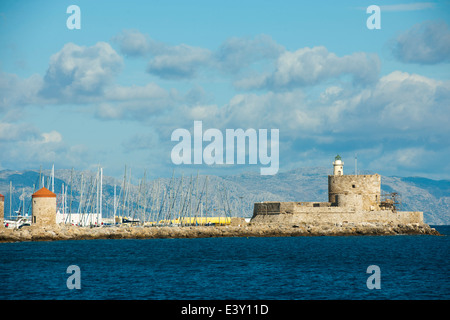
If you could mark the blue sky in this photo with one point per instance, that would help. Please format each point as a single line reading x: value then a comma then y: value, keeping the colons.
x: 112, y: 92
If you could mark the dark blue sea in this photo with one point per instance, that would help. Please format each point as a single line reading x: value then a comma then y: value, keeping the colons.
x: 285, y: 268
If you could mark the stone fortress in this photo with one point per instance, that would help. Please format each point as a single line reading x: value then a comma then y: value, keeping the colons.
x: 352, y: 199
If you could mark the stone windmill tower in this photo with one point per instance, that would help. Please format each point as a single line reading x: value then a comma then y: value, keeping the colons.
x: 44, y: 208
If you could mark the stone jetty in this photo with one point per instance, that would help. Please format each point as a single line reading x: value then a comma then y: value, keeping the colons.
x: 69, y: 232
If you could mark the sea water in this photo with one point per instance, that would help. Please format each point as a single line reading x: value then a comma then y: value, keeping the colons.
x: 254, y: 268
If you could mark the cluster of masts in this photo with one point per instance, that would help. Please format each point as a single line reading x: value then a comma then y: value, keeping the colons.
x: 181, y: 201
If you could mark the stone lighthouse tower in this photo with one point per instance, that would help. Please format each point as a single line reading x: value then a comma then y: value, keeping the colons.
x: 44, y: 208
x: 338, y: 166
x: 2, y: 210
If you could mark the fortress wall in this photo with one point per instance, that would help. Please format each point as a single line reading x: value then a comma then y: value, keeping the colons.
x: 349, y: 200
x: 368, y: 186
x: 325, y: 215
x: 275, y: 207
x: 319, y: 210
x: 267, y: 208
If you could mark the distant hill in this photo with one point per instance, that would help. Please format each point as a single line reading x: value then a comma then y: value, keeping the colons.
x: 216, y: 195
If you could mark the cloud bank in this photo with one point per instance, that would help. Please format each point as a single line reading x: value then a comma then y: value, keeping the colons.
x: 322, y: 103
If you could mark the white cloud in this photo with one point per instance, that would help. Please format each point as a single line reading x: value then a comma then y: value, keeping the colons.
x: 136, y: 44
x: 424, y: 43
x: 311, y: 66
x: 235, y: 53
x: 411, y: 102
x: 136, y: 102
x: 15, y: 92
x: 403, y: 160
x: 203, y: 112
x: 133, y: 43
x: 179, y: 62
x: 51, y: 137
x: 107, y: 111
x: 252, y: 81
x: 408, y: 6
x: 11, y: 132
x: 184, y: 61
x: 167, y: 61
x: 134, y: 92
x: 142, y: 111
x: 25, y: 146
x: 77, y: 72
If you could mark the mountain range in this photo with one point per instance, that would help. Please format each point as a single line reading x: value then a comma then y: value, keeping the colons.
x: 211, y: 195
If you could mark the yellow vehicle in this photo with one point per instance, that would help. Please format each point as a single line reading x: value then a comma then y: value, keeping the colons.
x: 198, y: 221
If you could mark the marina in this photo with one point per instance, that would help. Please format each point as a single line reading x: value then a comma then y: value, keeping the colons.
x: 81, y: 201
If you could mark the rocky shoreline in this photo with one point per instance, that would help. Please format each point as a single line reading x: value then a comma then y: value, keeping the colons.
x: 67, y: 232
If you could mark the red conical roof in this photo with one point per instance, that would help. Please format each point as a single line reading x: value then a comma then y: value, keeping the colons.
x: 43, y: 193
x: 2, y: 197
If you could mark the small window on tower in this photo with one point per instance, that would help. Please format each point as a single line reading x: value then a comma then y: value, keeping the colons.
x: 353, y: 185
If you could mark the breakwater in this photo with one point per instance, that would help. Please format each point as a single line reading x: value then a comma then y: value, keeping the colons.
x: 68, y: 232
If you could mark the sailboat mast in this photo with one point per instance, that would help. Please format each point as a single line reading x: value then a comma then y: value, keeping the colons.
x: 114, y: 201
x: 40, y: 175
x: 23, y: 201
x: 71, y: 188
x: 124, y: 191
x: 101, y: 193
x: 63, y: 200
x: 10, y: 198
x: 53, y: 178
x: 98, y: 187
x: 206, y: 204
